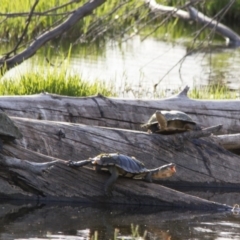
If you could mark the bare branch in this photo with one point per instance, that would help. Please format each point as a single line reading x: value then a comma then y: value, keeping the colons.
x: 80, y: 13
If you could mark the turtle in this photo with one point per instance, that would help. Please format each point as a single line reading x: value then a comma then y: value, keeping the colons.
x: 123, y: 165
x: 8, y: 130
x: 169, y: 122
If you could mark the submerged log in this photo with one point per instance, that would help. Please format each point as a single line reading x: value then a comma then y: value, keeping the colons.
x: 121, y: 113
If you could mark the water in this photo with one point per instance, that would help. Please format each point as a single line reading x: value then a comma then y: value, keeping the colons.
x: 30, y: 221
x: 133, y: 68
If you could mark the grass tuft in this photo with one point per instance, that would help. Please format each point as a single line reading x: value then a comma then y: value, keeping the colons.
x: 213, y: 91
x: 52, y: 82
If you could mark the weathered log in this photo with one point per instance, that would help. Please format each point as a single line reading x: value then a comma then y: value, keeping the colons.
x: 228, y: 141
x: 56, y: 180
x: 74, y: 141
x: 121, y: 113
x: 199, y: 161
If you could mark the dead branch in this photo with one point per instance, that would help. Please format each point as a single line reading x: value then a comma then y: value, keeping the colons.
x: 81, y: 12
x: 194, y: 15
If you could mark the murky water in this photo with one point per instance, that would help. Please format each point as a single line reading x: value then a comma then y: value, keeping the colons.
x: 134, y: 68
x: 32, y: 221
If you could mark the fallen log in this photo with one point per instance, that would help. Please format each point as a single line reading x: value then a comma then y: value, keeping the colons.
x: 200, y: 162
x: 24, y: 165
x: 228, y: 141
x: 57, y: 181
x: 121, y: 113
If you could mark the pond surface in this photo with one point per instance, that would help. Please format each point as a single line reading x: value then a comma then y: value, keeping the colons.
x: 134, y: 67
x: 30, y: 221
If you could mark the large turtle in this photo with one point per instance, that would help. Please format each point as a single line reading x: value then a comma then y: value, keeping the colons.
x: 8, y: 130
x: 167, y: 122
x: 122, y: 165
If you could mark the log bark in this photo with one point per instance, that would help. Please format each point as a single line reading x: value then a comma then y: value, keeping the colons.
x: 122, y: 113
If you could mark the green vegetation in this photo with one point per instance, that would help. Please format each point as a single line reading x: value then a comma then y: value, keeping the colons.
x: 55, y: 81
x: 59, y: 82
x: 109, y: 18
x: 213, y: 91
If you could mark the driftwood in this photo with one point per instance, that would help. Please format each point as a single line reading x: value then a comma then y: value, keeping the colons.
x: 121, y: 113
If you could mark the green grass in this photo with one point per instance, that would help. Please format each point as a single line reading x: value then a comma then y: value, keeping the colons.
x: 58, y: 82
x: 214, y: 91
x: 133, y: 15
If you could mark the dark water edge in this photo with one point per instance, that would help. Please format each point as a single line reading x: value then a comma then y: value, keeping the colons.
x: 32, y: 220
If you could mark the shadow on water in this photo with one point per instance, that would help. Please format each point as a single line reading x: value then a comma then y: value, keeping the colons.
x: 26, y: 220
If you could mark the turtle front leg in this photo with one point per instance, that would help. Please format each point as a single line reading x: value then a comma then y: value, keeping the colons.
x: 108, y: 186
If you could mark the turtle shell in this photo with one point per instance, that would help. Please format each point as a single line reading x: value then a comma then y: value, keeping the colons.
x: 176, y: 115
x: 8, y: 130
x: 169, y: 116
x: 125, y: 163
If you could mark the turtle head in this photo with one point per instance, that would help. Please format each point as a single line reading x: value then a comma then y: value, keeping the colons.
x: 164, y: 171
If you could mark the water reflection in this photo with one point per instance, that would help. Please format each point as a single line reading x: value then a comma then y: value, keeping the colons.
x: 134, y: 67
x: 20, y: 220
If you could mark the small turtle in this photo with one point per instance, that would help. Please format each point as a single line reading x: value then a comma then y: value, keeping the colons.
x: 122, y: 165
x: 168, y: 122
x: 8, y: 131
